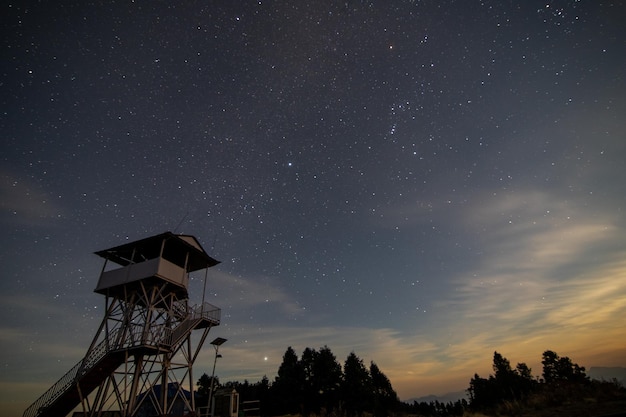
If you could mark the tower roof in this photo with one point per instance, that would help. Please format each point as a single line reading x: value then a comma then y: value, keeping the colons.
x: 175, y: 246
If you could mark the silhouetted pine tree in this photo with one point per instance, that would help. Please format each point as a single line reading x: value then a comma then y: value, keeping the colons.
x: 557, y: 369
x: 356, y: 387
x: 287, y: 387
x: 204, y: 386
x: 316, y: 384
x: 385, y: 399
x: 505, y: 384
x: 328, y: 377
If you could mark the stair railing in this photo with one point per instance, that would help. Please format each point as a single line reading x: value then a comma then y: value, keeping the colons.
x: 164, y: 336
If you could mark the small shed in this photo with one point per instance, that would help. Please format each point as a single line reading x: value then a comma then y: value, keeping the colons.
x: 225, y: 403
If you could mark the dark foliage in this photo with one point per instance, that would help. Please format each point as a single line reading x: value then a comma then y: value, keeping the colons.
x: 325, y: 381
x: 259, y: 391
x: 287, y: 389
x: 436, y: 408
x: 558, y: 370
x: 564, y: 382
x: 506, y: 384
x: 204, y: 386
x: 385, y: 399
x: 316, y: 384
x: 356, y: 390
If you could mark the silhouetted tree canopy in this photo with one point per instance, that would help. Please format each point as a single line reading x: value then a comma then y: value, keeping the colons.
x: 557, y: 369
x: 288, y: 384
x: 563, y: 381
x: 385, y: 398
x: 204, y: 386
x: 357, y: 386
x: 505, y: 384
x: 328, y: 377
x: 316, y: 384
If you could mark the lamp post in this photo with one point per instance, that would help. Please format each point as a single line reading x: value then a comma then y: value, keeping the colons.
x: 219, y: 341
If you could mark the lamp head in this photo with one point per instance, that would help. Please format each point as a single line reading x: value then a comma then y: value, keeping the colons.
x: 218, y: 341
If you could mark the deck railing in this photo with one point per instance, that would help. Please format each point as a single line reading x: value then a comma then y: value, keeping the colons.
x: 204, y: 311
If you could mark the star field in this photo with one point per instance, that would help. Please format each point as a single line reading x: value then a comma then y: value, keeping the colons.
x: 421, y: 182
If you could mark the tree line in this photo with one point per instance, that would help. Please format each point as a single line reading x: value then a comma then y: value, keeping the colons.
x: 316, y: 384
x: 518, y: 384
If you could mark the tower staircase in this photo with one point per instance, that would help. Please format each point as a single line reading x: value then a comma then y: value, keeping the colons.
x: 103, y: 359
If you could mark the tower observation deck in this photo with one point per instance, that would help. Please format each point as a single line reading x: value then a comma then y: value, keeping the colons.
x: 144, y: 343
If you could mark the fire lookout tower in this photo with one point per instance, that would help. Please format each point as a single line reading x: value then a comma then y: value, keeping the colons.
x: 143, y: 349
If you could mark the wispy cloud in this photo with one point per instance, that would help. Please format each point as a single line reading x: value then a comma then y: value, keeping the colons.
x: 248, y: 292
x: 60, y: 341
x: 25, y: 202
x: 542, y: 282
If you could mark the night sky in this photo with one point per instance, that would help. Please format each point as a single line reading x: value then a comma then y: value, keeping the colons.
x: 420, y: 182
